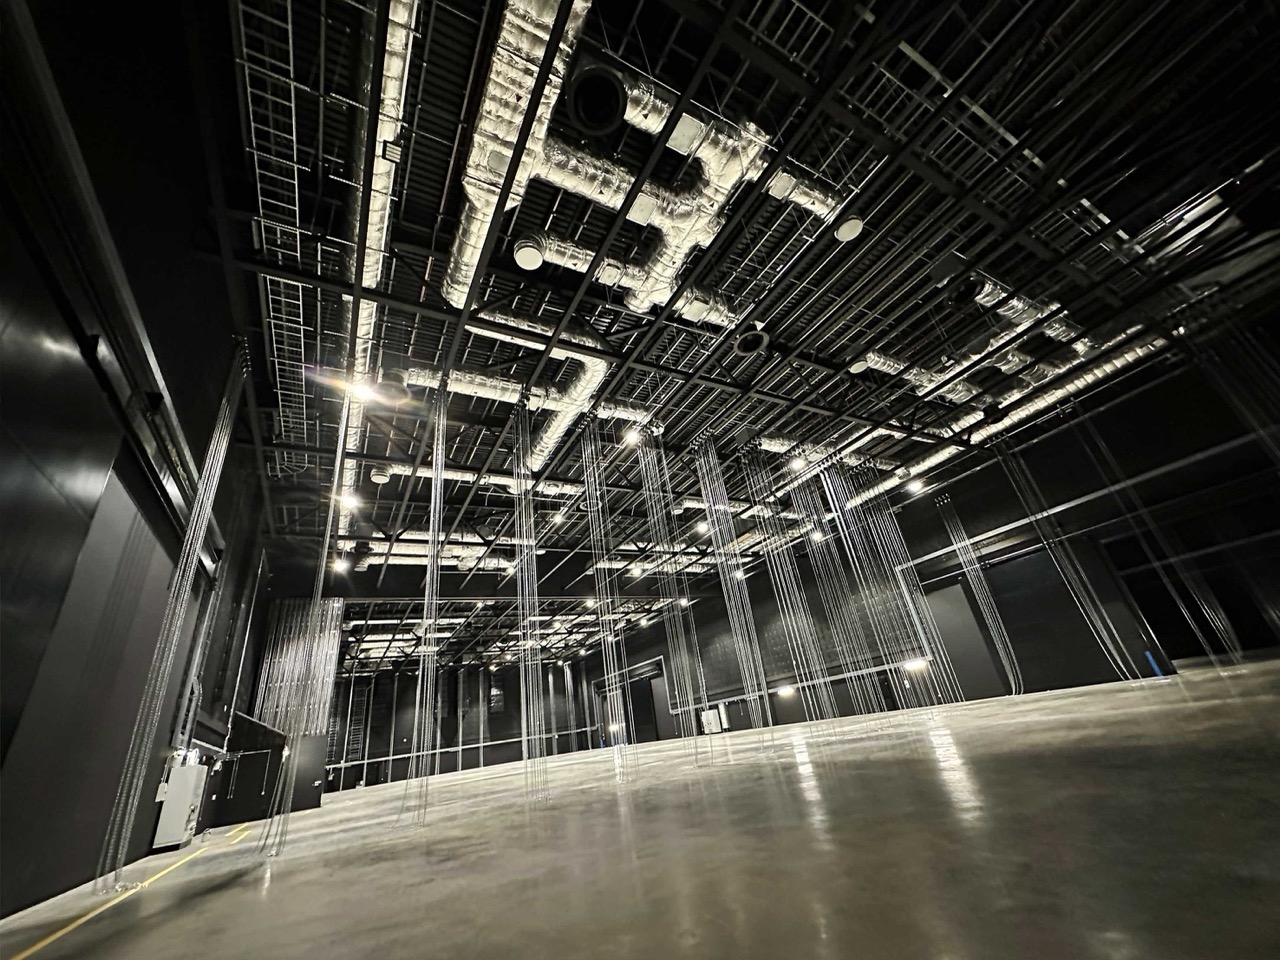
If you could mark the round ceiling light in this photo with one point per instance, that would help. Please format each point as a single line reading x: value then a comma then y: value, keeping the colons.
x: 849, y: 229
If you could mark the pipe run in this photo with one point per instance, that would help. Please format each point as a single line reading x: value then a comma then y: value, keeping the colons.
x: 728, y: 154
x: 1091, y: 374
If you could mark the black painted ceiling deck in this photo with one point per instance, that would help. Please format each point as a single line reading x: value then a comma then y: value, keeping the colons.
x: 913, y: 111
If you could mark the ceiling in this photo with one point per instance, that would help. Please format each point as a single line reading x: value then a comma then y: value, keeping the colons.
x: 1093, y: 162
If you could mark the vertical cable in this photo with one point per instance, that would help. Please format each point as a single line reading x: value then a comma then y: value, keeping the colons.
x: 619, y: 730
x: 689, y: 688
x: 812, y: 679
x: 115, y: 847
x: 857, y: 659
x: 532, y: 711
x: 733, y: 575
x: 982, y: 593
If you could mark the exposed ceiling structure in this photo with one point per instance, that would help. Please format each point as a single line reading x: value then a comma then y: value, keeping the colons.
x: 887, y: 234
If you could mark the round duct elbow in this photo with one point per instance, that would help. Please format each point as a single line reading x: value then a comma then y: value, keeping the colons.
x: 597, y: 100
x: 380, y: 475
x: 750, y: 343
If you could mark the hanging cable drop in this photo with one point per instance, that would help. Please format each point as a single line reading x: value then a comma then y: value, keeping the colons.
x: 425, y: 712
x: 890, y: 590
x: 689, y: 687
x: 733, y: 574
x: 532, y: 699
x: 857, y: 660
x: 619, y: 723
x: 812, y: 678
x: 1064, y: 558
x: 982, y: 593
x: 115, y: 846
x: 295, y: 712
x: 1162, y: 550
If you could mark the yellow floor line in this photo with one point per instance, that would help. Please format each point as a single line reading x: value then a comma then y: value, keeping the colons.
x: 102, y: 908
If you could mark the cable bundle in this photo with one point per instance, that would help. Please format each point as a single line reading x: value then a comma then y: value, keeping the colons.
x: 784, y: 573
x: 688, y: 684
x: 619, y: 723
x: 733, y: 576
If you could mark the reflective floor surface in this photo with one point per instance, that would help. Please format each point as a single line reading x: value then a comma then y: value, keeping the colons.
x: 1127, y: 821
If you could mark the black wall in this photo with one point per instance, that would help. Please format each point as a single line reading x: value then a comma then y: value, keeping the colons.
x: 487, y: 735
x: 61, y: 772
x: 88, y: 537
x: 57, y: 444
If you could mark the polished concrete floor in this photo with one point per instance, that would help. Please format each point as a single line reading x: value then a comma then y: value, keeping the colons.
x: 1129, y: 821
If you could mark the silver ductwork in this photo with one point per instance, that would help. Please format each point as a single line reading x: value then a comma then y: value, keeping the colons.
x: 813, y: 453
x: 729, y: 154
x: 1016, y: 315
x: 395, y: 72
x: 549, y: 489
x: 522, y: 40
x: 1090, y: 375
x: 565, y: 404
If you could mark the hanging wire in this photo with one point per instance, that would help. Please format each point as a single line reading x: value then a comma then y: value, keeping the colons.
x: 982, y: 593
x: 733, y: 574
x: 532, y: 707
x: 857, y: 660
x: 1130, y: 502
x: 425, y: 704
x: 812, y: 679
x: 1064, y: 558
x: 689, y: 687
x: 620, y: 724
x: 124, y: 811
x: 889, y: 589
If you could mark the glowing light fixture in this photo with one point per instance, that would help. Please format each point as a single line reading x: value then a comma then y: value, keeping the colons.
x: 684, y: 601
x: 631, y: 438
x: 557, y: 518
x: 349, y: 501
x: 740, y: 574
x: 915, y: 486
x: 787, y: 691
x: 816, y: 536
x: 591, y: 601
x: 341, y: 565
x: 703, y: 527
x: 915, y: 665
x: 798, y: 463
x: 362, y: 391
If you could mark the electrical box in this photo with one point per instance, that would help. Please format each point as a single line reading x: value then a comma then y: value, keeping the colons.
x: 183, y: 792
x: 711, y: 721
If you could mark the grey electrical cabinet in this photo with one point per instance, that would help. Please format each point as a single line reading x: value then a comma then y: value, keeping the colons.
x: 183, y: 792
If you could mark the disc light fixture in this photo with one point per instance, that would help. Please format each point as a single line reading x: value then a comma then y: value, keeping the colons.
x: 915, y: 666
x: 915, y: 486
x: 341, y: 565
x: 703, y: 527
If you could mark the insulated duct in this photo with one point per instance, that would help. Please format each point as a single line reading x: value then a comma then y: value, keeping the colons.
x: 547, y: 488
x: 402, y: 15
x: 565, y: 404
x: 1090, y: 375
x: 729, y: 154
x: 1014, y: 316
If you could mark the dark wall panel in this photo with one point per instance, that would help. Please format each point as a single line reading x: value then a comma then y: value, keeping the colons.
x: 116, y: 73
x: 966, y: 643
x: 1050, y: 637
x: 70, y: 747
x: 57, y: 443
